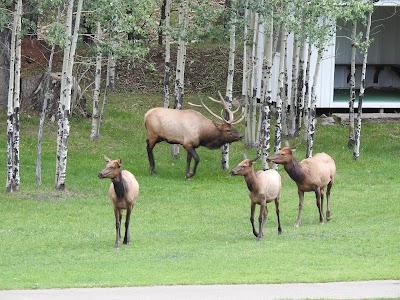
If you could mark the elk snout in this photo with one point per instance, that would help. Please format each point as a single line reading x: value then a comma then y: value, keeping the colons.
x: 100, y: 175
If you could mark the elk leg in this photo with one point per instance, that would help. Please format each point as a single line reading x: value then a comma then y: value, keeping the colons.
x: 117, y: 227
x: 127, y: 238
x: 252, y: 209
x: 318, y: 200
x: 301, y: 201
x: 277, y: 214
x: 150, y: 156
x: 261, y: 220
x: 191, y: 154
x: 328, y: 196
x: 120, y: 222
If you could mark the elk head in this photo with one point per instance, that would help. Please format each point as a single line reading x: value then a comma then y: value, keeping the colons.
x: 283, y: 156
x: 112, y: 169
x: 244, y: 167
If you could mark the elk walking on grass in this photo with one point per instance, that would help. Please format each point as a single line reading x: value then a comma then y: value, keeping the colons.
x: 264, y: 187
x: 190, y: 129
x: 312, y: 174
x: 123, y: 192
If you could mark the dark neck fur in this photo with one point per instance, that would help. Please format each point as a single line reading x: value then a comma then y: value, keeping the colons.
x: 119, y: 186
x: 295, y: 172
x: 250, y: 180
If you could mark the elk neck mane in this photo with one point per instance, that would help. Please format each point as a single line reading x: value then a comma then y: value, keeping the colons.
x: 295, y: 171
x: 119, y: 186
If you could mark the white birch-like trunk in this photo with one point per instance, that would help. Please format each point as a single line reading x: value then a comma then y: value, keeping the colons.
x: 246, y: 74
x: 97, y: 82
x: 307, y: 92
x: 181, y: 59
x: 261, y: 77
x: 313, y: 107
x: 253, y: 81
x: 167, y: 61
x: 293, y: 95
x: 300, y: 90
x: 285, y: 96
x: 65, y: 97
x: 229, y: 85
x: 267, y: 101
x: 356, y: 153
x: 281, y: 93
x: 351, y: 140
x: 106, y: 88
x: 13, y: 180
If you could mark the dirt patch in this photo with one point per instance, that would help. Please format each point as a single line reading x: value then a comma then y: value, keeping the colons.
x: 206, y: 68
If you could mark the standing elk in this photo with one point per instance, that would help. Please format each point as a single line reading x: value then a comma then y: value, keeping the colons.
x: 264, y: 187
x: 123, y: 192
x: 190, y: 129
x: 312, y: 174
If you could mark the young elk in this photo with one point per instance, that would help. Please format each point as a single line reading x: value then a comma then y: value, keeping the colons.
x: 123, y: 192
x: 312, y: 174
x: 190, y: 129
x: 264, y: 187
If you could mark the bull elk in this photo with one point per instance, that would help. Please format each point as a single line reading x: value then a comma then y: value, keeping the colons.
x: 190, y: 129
x: 123, y: 192
x: 264, y: 187
x: 312, y: 174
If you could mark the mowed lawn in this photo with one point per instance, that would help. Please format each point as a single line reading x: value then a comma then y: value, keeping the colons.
x: 193, y: 231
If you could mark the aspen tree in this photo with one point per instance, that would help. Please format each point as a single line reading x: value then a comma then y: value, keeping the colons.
x: 65, y: 96
x: 229, y: 80
x: 351, y: 141
x: 180, y: 62
x: 167, y: 61
x: 13, y: 105
x: 97, y: 81
x: 356, y: 153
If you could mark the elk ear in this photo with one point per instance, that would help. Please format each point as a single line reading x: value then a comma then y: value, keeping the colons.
x: 294, y: 147
x: 255, y: 159
x: 244, y: 156
x: 119, y: 162
x: 106, y: 158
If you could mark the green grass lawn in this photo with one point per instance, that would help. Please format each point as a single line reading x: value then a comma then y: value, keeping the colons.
x: 193, y: 231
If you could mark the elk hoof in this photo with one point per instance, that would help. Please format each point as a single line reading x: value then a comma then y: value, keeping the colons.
x: 259, y: 238
x: 189, y: 175
x: 297, y: 225
x: 116, y: 246
x: 328, y: 215
x: 279, y: 231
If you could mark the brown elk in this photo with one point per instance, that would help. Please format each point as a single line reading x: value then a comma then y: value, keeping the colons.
x: 312, y: 174
x: 190, y: 129
x: 264, y: 187
x: 123, y: 192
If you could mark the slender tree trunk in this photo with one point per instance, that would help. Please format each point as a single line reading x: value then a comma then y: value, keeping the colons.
x: 65, y: 97
x: 313, y: 107
x: 167, y: 62
x: 300, y: 90
x: 293, y: 96
x: 307, y: 92
x: 13, y: 177
x: 260, y: 77
x: 181, y: 59
x: 246, y: 74
x: 229, y: 84
x: 356, y: 153
x: 285, y: 96
x: 351, y: 141
x: 253, y: 80
x: 163, y: 17
x: 281, y: 93
x: 97, y: 82
x: 267, y: 102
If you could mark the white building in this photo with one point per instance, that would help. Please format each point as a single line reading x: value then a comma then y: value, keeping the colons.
x: 383, y: 67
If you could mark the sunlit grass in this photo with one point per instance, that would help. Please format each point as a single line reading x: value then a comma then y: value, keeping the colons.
x: 196, y: 231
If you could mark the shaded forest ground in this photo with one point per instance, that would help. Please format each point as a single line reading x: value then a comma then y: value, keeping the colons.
x: 206, y: 68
